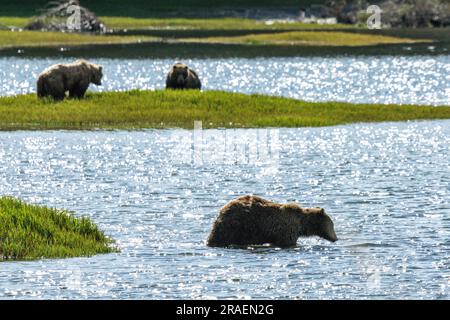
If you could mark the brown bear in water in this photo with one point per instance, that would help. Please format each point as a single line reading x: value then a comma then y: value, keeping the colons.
x: 180, y: 76
x: 251, y: 220
x: 73, y: 77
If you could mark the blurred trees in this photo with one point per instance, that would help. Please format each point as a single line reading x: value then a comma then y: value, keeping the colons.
x: 395, y: 13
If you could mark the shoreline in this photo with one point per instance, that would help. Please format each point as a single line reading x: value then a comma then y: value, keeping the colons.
x: 33, y: 232
x: 167, y: 49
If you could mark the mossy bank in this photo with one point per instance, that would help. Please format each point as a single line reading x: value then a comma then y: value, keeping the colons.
x: 179, y: 109
x: 29, y: 232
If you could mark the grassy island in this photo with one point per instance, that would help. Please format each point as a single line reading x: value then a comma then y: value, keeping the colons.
x: 29, y: 232
x: 138, y: 109
x: 308, y: 38
x: 27, y: 39
x: 23, y: 39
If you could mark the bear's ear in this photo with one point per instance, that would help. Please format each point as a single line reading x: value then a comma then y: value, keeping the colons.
x: 322, y: 211
x: 100, y: 68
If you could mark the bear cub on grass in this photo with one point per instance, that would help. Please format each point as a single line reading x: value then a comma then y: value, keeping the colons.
x: 73, y: 77
x: 251, y: 220
x: 180, y: 76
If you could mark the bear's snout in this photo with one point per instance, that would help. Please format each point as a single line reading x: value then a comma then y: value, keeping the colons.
x: 180, y: 79
x: 331, y: 236
x: 333, y: 239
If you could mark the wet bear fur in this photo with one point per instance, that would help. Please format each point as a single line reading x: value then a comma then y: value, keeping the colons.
x: 251, y: 220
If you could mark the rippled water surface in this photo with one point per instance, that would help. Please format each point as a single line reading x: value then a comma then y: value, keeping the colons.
x: 413, y: 80
x: 387, y: 187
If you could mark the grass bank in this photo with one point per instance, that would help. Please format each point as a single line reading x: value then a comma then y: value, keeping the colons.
x: 224, y: 23
x: 21, y: 39
x: 29, y: 232
x: 26, y: 39
x: 18, y: 22
x: 308, y: 38
x: 169, y: 109
x: 128, y: 30
x: 211, y: 24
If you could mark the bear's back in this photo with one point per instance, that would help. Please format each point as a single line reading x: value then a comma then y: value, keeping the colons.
x: 56, y: 68
x: 250, y: 205
x: 79, y: 66
x: 253, y: 220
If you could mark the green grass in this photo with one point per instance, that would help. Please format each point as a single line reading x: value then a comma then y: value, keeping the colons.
x: 219, y: 31
x: 312, y: 38
x: 29, y: 232
x: 168, y: 109
x: 16, y: 39
x: 42, y: 39
x: 210, y: 24
x: 189, y: 24
x: 436, y: 34
x: 19, y: 22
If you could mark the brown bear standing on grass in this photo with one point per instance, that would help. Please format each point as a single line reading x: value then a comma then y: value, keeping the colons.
x: 251, y: 220
x: 180, y: 76
x: 73, y: 77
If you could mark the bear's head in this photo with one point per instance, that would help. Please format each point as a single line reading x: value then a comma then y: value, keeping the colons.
x: 320, y: 224
x: 179, y: 73
x: 96, y: 74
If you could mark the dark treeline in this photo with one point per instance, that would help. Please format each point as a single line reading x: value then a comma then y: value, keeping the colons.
x: 395, y: 13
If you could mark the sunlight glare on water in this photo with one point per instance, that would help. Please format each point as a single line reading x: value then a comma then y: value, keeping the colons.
x: 384, y: 79
x: 386, y: 186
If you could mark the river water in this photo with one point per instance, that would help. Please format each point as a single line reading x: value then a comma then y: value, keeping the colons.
x: 157, y: 192
x: 359, y: 79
